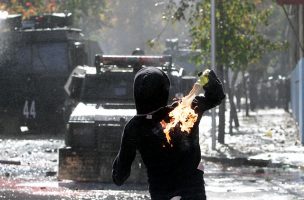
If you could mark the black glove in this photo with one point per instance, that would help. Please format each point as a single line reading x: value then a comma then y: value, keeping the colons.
x: 214, y: 94
x: 162, y: 113
x: 214, y: 89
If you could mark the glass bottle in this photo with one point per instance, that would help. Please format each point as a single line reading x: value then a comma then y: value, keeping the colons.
x: 196, y: 89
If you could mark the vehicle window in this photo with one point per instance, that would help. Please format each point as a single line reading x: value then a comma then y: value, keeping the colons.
x: 50, y: 57
x: 104, y: 88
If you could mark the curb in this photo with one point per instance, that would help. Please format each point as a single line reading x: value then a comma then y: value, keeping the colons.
x: 243, y: 161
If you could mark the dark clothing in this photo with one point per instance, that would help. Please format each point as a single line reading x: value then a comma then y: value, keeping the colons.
x: 171, y: 169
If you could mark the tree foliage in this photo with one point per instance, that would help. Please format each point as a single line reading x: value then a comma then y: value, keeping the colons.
x: 238, y: 38
x: 28, y: 8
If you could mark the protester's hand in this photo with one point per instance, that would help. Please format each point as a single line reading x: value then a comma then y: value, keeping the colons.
x: 214, y: 94
x: 213, y: 80
x: 203, y: 77
x: 162, y: 113
x: 214, y: 89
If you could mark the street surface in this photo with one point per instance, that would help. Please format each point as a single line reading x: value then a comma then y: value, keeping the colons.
x: 29, y: 163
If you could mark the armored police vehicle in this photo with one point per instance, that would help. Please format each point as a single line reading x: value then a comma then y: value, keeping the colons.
x: 36, y: 57
x: 104, y: 103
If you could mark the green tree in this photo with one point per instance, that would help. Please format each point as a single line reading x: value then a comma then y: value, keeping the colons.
x: 239, y: 41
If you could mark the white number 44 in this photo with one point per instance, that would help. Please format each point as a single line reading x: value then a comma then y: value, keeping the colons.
x: 29, y: 111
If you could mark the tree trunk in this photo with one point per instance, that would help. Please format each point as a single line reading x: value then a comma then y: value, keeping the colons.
x: 230, y: 91
x: 245, y: 79
x: 252, y: 89
x: 221, y: 126
x: 232, y: 104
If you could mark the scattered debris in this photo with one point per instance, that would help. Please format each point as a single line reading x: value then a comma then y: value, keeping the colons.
x: 268, y: 133
x: 6, y: 174
x: 10, y: 162
x: 24, y: 129
x: 260, y: 171
x: 47, y: 150
x: 50, y: 173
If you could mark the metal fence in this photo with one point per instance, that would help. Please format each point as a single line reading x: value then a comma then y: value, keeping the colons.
x: 297, y: 96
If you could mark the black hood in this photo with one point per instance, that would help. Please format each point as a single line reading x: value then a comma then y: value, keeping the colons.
x: 151, y: 89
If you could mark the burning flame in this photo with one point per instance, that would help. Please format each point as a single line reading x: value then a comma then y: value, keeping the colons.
x: 182, y: 115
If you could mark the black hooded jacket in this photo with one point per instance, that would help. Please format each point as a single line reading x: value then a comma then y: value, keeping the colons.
x: 171, y: 168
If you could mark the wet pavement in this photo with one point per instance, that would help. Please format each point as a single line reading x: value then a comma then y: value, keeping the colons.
x: 267, y: 141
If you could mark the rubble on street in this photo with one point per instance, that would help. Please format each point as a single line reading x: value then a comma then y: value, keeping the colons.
x: 262, y: 159
x: 265, y: 138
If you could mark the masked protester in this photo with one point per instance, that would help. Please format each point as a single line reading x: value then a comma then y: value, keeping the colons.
x: 172, y: 169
